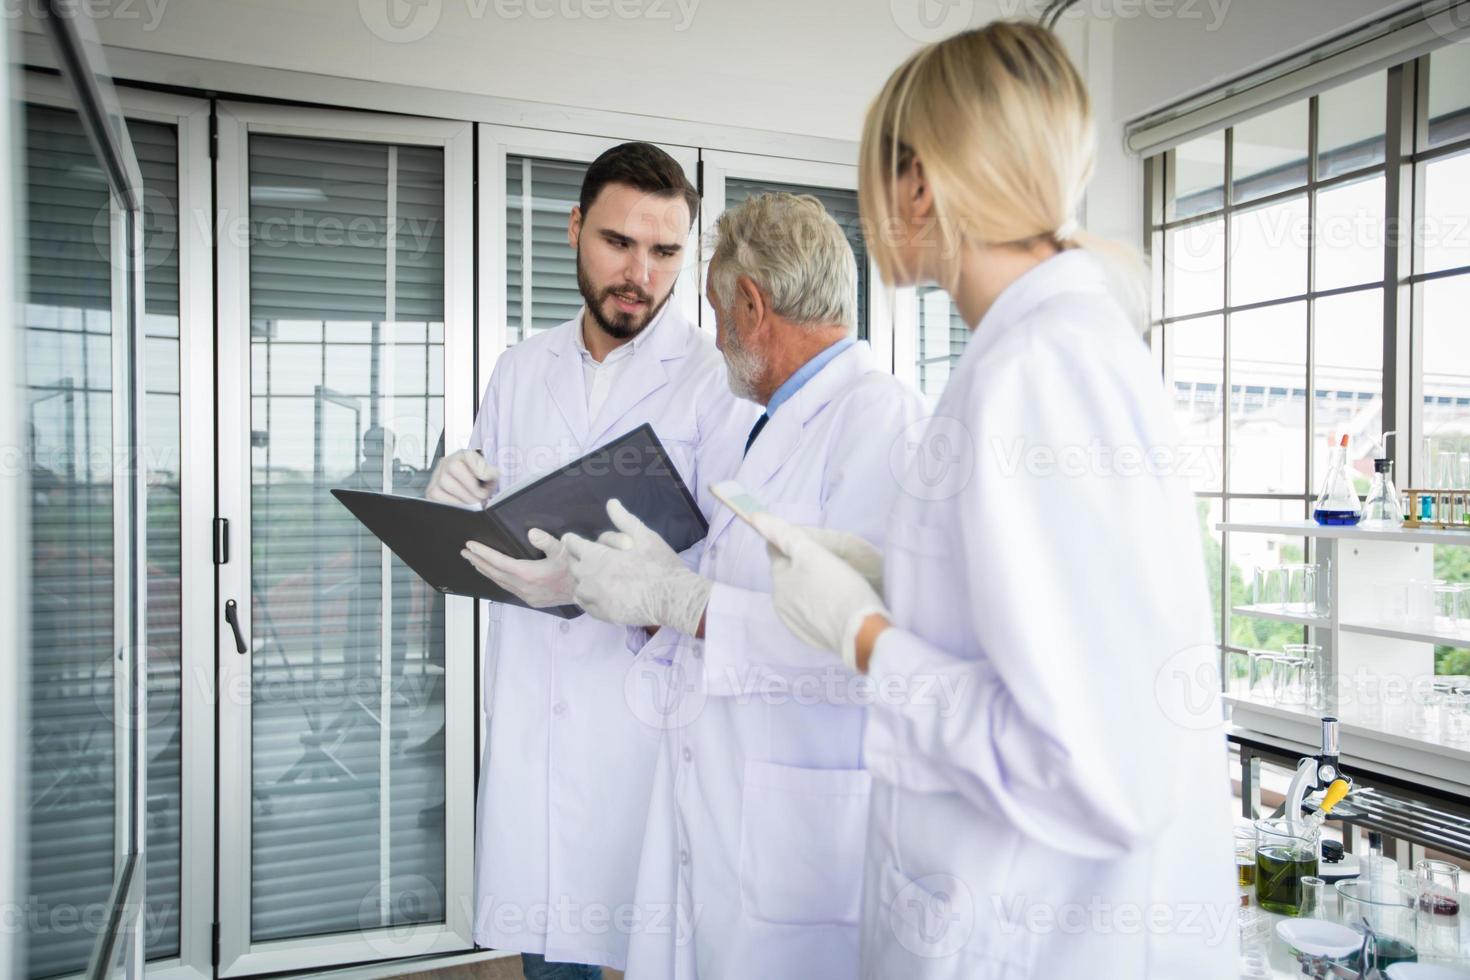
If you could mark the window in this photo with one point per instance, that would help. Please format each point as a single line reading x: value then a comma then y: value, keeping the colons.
x: 1276, y: 317
x: 940, y: 338
x: 730, y: 178
x: 540, y: 267
x: 841, y: 204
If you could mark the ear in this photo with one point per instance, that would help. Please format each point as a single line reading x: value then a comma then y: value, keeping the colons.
x: 916, y: 194
x: 574, y: 227
x: 750, y: 307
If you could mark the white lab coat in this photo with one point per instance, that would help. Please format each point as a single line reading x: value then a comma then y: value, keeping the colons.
x: 566, y: 774
x: 1071, y: 818
x: 757, y: 829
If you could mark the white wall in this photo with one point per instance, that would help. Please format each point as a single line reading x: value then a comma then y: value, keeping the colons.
x: 791, y: 66
x: 800, y: 66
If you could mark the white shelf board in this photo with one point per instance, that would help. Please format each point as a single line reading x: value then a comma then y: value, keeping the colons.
x: 1350, y: 532
x: 1401, y: 633
x: 1361, y: 738
x: 1280, y: 616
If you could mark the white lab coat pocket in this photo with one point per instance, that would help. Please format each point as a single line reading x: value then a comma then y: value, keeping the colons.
x: 923, y: 540
x: 802, y: 837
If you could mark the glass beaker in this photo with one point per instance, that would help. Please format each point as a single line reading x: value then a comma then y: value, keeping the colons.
x: 1301, y: 589
x: 1389, y: 910
x: 1263, y: 676
x: 1423, y: 708
x: 1439, y: 908
x: 1314, y: 899
x: 1446, y: 602
x: 1419, y: 602
x: 1457, y: 717
x: 1245, y: 857
x: 1304, y: 685
x: 1283, y: 858
x: 1270, y: 587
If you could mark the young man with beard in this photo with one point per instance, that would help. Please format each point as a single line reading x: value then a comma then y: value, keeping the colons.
x: 566, y: 776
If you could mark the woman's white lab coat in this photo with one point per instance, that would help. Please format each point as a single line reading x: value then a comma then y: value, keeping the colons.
x: 1071, y: 818
x: 756, y: 835
x: 565, y: 779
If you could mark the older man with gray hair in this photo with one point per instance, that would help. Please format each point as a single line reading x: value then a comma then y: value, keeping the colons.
x: 752, y: 859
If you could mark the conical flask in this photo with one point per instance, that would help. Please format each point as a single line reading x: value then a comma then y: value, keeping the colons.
x: 1338, y: 503
x: 1383, y: 508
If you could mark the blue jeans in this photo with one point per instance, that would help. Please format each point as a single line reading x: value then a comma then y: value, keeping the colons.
x: 535, y: 967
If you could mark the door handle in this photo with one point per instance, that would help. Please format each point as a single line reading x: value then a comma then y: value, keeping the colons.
x: 232, y: 617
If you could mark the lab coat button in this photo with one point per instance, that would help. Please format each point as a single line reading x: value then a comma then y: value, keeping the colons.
x: 683, y: 856
x: 688, y: 754
x: 566, y: 627
x: 559, y: 708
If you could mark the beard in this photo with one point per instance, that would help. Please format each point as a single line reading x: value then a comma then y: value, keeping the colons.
x: 617, y: 324
x: 743, y: 367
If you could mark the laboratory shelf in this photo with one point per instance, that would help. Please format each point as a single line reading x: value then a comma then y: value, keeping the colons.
x: 1367, y: 733
x: 1351, y: 532
x: 1354, y: 565
x: 1448, y: 639
x: 1281, y: 615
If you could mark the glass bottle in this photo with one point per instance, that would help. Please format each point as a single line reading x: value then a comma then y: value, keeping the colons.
x: 1338, y: 503
x: 1383, y: 508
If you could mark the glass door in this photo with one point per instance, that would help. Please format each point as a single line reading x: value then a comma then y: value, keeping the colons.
x: 81, y: 312
x: 345, y: 360
x: 169, y: 135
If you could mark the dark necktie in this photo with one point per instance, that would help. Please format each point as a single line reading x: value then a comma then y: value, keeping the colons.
x: 755, y: 430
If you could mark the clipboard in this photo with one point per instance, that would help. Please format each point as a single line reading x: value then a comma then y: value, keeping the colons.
x: 428, y: 536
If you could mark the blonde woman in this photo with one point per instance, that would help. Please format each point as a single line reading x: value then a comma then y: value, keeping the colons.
x: 1050, y: 794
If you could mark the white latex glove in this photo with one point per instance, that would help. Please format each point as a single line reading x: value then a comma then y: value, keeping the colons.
x: 819, y: 596
x: 632, y: 577
x: 463, y: 478
x: 854, y: 549
x: 538, y: 582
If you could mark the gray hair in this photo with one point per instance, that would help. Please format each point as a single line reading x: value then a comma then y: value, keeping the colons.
x: 794, y: 251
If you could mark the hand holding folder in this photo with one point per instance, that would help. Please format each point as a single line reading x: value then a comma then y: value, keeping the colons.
x: 429, y: 536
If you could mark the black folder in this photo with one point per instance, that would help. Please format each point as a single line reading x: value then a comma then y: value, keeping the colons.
x: 429, y: 536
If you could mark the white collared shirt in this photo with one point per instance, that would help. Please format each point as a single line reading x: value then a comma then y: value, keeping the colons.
x: 598, y: 378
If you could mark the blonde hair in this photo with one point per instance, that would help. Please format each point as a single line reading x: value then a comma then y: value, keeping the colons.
x: 794, y: 251
x: 1003, y: 125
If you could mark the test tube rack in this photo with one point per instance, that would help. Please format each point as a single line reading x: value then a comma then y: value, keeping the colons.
x: 1444, y: 510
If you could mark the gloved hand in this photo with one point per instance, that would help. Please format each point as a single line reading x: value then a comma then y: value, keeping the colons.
x: 632, y: 577
x: 464, y: 478
x: 819, y: 596
x: 538, y: 582
x: 854, y: 549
